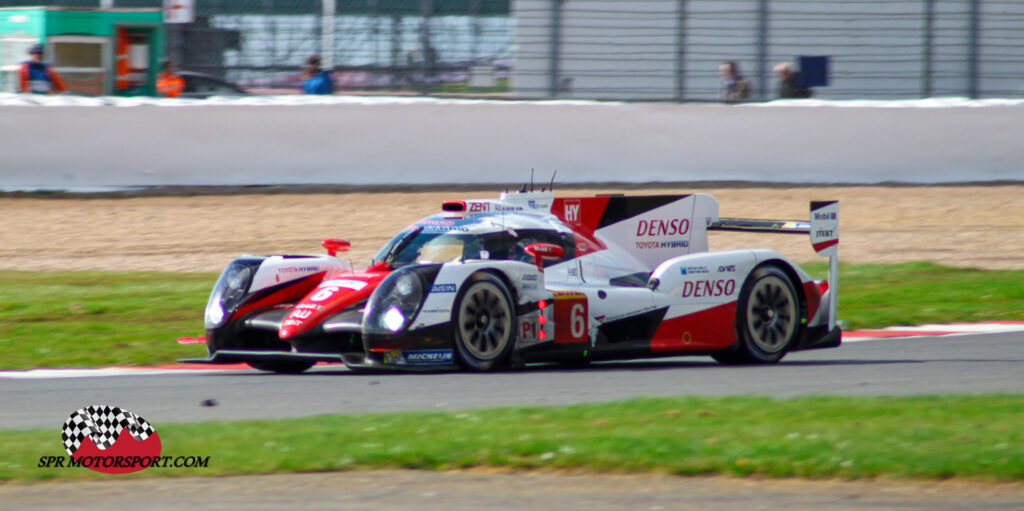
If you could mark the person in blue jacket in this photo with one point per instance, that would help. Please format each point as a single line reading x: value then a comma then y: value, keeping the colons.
x: 319, y: 79
x: 39, y: 77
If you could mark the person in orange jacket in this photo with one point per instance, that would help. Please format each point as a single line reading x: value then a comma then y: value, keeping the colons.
x: 168, y: 83
x: 38, y: 77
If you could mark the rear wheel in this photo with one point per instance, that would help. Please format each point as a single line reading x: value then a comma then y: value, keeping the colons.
x: 483, y: 322
x: 275, y: 366
x: 767, y: 319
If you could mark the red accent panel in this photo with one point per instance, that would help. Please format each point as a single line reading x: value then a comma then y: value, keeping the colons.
x: 571, y: 318
x: 813, y: 291
x: 818, y: 247
x: 583, y: 214
x: 712, y: 328
x: 289, y: 293
x: 325, y: 300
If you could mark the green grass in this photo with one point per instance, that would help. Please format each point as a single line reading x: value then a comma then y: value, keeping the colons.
x: 972, y: 437
x: 76, y: 319
x: 878, y: 295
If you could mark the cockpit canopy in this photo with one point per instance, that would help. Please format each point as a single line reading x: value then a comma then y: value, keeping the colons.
x: 496, y: 236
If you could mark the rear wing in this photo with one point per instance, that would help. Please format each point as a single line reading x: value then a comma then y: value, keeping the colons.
x: 823, y: 229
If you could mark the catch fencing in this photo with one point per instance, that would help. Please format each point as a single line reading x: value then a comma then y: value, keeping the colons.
x: 605, y: 49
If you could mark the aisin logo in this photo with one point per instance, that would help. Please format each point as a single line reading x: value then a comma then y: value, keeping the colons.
x: 110, y: 439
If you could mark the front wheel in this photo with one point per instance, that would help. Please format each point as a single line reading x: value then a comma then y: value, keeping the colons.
x: 767, y: 319
x: 483, y: 322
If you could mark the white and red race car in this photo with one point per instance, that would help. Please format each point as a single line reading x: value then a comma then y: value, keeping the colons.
x: 529, y: 277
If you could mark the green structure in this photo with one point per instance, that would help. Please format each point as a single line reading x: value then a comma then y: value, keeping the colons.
x: 96, y: 51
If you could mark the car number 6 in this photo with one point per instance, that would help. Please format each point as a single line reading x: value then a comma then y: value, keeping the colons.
x: 324, y: 294
x: 579, y: 323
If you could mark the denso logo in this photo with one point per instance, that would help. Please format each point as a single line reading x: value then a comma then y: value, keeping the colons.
x: 675, y: 227
x: 708, y: 288
x: 571, y: 211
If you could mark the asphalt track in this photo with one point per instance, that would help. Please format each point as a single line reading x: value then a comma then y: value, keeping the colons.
x: 922, y: 365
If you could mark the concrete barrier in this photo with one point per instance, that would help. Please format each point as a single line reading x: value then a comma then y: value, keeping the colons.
x: 494, y: 142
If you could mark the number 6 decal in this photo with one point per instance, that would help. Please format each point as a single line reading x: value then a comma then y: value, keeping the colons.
x: 571, y: 318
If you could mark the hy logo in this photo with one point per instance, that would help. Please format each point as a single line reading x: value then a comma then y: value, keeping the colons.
x: 572, y: 211
x: 99, y: 431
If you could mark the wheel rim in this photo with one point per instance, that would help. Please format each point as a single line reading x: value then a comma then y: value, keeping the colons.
x: 771, y: 314
x: 484, y: 321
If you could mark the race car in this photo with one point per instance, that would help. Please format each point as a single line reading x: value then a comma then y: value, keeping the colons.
x: 529, y: 277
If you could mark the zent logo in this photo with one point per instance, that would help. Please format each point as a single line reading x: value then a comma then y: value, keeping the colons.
x: 107, y: 438
x: 572, y: 211
x: 479, y: 207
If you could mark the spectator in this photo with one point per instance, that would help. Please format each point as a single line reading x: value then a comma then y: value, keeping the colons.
x: 168, y: 83
x: 318, y: 80
x: 788, y: 88
x: 38, y: 77
x: 734, y: 86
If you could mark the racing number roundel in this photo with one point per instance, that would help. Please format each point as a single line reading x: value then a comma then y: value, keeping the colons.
x: 571, y: 318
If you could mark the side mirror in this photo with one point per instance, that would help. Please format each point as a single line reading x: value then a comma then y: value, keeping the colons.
x: 542, y: 251
x: 335, y: 245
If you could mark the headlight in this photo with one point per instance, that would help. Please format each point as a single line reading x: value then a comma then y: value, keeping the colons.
x: 394, y: 319
x: 394, y: 303
x: 229, y: 291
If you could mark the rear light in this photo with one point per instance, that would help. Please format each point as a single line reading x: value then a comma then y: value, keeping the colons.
x: 456, y: 206
x: 541, y: 305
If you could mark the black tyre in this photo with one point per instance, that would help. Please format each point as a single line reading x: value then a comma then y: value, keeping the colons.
x: 276, y: 366
x: 483, y: 322
x: 767, y: 319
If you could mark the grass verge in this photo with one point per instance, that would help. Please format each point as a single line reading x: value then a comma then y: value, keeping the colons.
x: 81, y: 319
x: 972, y: 437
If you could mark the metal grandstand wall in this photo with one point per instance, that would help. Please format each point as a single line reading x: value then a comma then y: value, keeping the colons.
x: 604, y: 49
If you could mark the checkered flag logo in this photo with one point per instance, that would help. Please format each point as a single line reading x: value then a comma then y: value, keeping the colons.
x: 103, y: 424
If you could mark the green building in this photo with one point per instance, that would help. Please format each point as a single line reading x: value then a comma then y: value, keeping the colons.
x: 96, y: 51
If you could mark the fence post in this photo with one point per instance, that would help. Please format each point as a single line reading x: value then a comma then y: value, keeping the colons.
x: 556, y: 46
x: 763, y: 78
x: 972, y: 49
x: 428, y: 61
x: 475, y: 9
x: 327, y: 34
x: 681, y: 52
x: 929, y: 36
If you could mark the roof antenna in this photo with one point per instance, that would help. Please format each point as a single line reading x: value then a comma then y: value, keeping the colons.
x: 531, y: 180
x: 551, y: 187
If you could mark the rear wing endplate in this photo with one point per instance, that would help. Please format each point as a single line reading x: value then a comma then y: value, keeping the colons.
x: 823, y: 229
